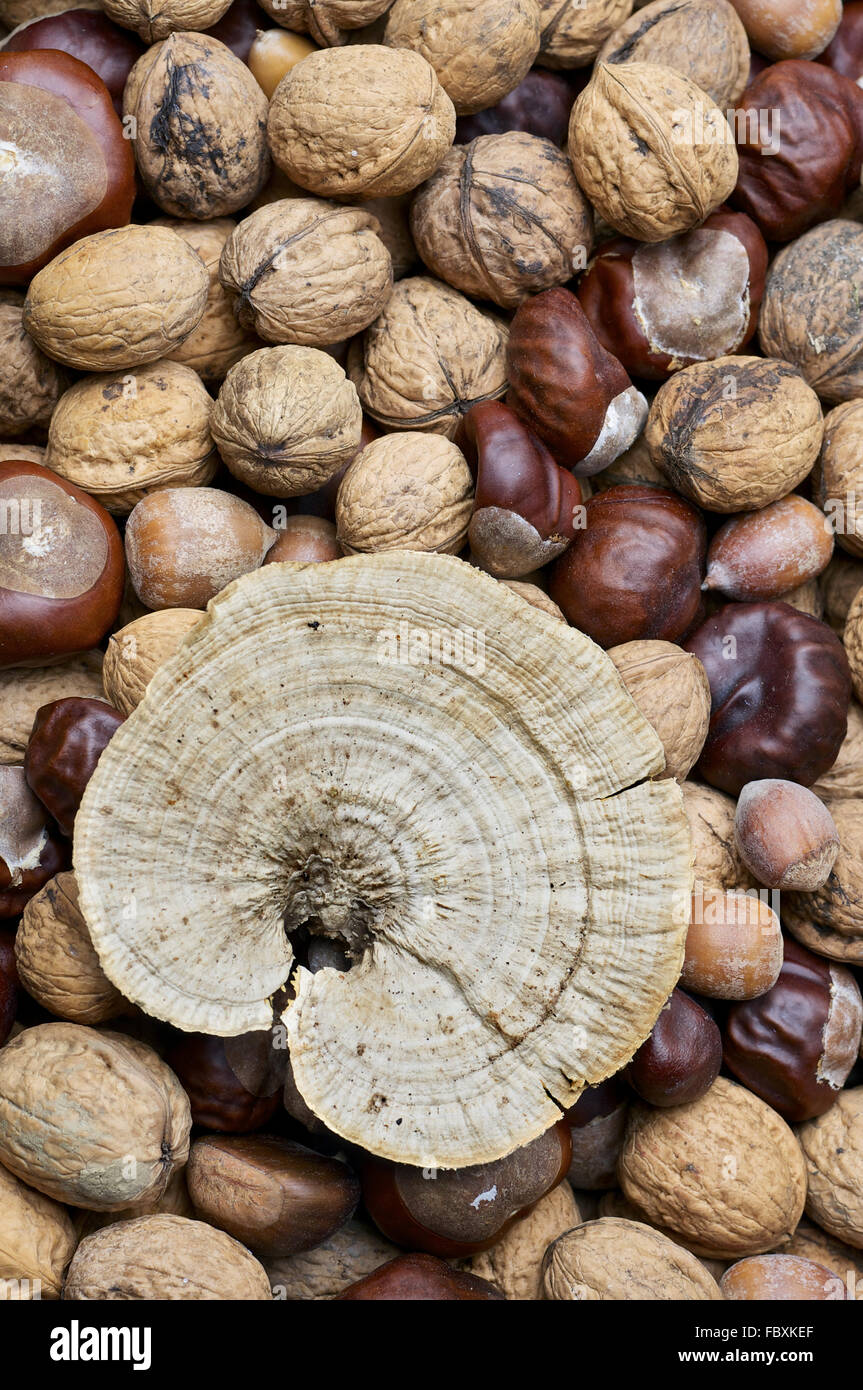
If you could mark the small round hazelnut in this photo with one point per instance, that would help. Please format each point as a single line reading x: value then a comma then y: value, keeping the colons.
x: 273, y: 54
x: 31, y: 851
x: 234, y: 1084
x: 780, y: 1278
x: 411, y: 1278
x: 785, y: 835
x: 671, y: 690
x: 405, y: 492
x: 681, y: 1058
x: 789, y: 28
x: 68, y: 739
x: 574, y: 31
x: 733, y: 946
x: 764, y: 554
x: 183, y: 545
x: 702, y: 39
x: 833, y: 1148
x: 136, y: 651
x: 56, y: 961
x: 597, y: 1125
x: 30, y: 383
x: 305, y: 540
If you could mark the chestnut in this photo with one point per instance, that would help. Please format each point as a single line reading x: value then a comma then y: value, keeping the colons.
x: 635, y: 568
x: 733, y: 945
x: 844, y: 53
x: 659, y: 307
x: 458, y: 1212
x: 780, y: 688
x: 238, y: 26
x: 87, y: 35
x: 68, y: 739
x: 61, y: 566
x: 276, y: 1197
x: 767, y: 553
x: 419, y: 1278
x: 781, y: 1278
x: 233, y: 1084
x: 31, y: 851
x: 8, y: 983
x: 526, y: 505
x: 785, y: 835
x: 795, y: 1045
x: 567, y: 388
x: 681, y: 1059
x: 539, y: 105
x: 597, y: 1126
x: 65, y: 126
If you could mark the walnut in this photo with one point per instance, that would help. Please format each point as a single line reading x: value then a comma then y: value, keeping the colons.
x: 117, y: 299
x: 30, y: 383
x: 31, y: 453
x: 393, y: 218
x: 830, y: 921
x: 136, y: 652
x: 327, y: 21
x: 306, y: 271
x: 852, y: 638
x: 37, y: 1241
x: 724, y: 1171
x: 538, y: 598
x: 198, y: 158
x: 428, y: 358
x: 123, y: 435
x: 736, y: 433
x: 503, y: 218
x: 574, y: 30
x: 156, y: 19
x: 837, y: 479
x: 839, y: 586
x: 845, y: 778
x: 671, y: 689
x: 809, y: 1242
x: 633, y: 466
x: 219, y: 339
x: 405, y: 492
x: 514, y: 1264
x: 806, y: 598
x: 24, y: 690
x: 174, y: 1201
x: 702, y: 39
x: 90, y: 1117
x: 360, y: 121
x: 56, y: 961
x: 287, y: 420
x: 480, y: 49
x: 651, y: 151
x: 167, y: 1258
x: 833, y: 1148
x: 711, y: 823
x: 322, y: 1273
x: 613, y: 1259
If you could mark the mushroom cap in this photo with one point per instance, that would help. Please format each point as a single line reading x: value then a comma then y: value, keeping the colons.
x: 397, y: 752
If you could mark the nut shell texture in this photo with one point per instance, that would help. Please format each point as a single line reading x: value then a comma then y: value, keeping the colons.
x: 833, y: 1148
x: 702, y: 39
x: 167, y: 1258
x: 156, y: 19
x: 405, y: 492
x: 611, y: 1260
x: 37, y: 1239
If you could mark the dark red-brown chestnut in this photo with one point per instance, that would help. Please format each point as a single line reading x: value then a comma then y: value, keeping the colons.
x: 844, y: 53
x: 681, y: 1059
x: 419, y: 1279
x: 87, y: 35
x: 8, y: 983
x: 539, y: 105
x: 233, y: 1084
x: 31, y: 850
x: 597, y: 1126
x: 239, y: 25
x: 68, y: 739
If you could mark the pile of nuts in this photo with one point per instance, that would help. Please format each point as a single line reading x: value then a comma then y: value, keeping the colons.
x: 431, y: 650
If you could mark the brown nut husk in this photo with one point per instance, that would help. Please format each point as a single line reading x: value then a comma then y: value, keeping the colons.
x: 89, y: 1117
x: 328, y: 22
x: 480, y: 49
x: 362, y: 121
x: 405, y: 492
x: 724, y: 1171
x: 287, y: 420
x: 711, y: 822
x: 671, y: 689
x: 615, y: 1260
x: 651, y: 151
x: 219, y: 339
x: 845, y: 778
x: 37, y: 1241
x: 833, y: 1149
x: 136, y: 651
x: 56, y: 961
x: 167, y: 1258
x: 514, y: 1264
x: 30, y: 383
x: 830, y: 921
x: 306, y: 271
x: 428, y: 358
x: 123, y: 435
x: 117, y: 299
x: 198, y: 158
x: 502, y: 218
x: 25, y: 689
x: 156, y: 19
x: 837, y: 479
x: 351, y: 1253
x: 702, y: 39
x: 736, y: 433
x: 573, y: 31
x: 453, y: 787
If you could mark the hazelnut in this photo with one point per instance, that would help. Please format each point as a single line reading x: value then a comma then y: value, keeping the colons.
x: 733, y: 946
x: 567, y: 388
x: 61, y: 566
x: 785, y: 835
x: 62, y: 123
x: 766, y: 554
x: 87, y: 35
x: 117, y: 299
x: 833, y: 1148
x: 830, y: 919
x: 671, y: 690
x: 702, y: 39
x: 597, y: 1124
x: 67, y: 741
x: 287, y: 420
x: 612, y: 1260
x: 136, y: 651
x: 634, y: 569
x: 157, y: 22
x: 361, y: 121
x: 197, y: 158
x: 184, y: 544
x: 736, y: 433
x: 573, y: 32
x: 37, y: 1242
x: 514, y: 1262
x: 680, y: 1060
x: 796, y: 1044
x: 835, y: 483
x: 164, y: 1257
x: 56, y: 961
x: 780, y: 1278
x: 234, y: 1084
x: 502, y: 218
x: 328, y: 21
x: 429, y: 356
x: 711, y: 824
x: 650, y: 149
x: 789, y: 28
x: 419, y: 1278
x: 31, y: 851
x: 273, y: 54
x: 305, y: 540
x: 539, y: 105
x: 405, y: 492
x: 30, y: 383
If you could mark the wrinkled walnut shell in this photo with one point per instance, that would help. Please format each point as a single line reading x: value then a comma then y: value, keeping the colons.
x: 702, y: 39
x: 56, y: 960
x: 612, y: 1259
x: 671, y: 689
x: 405, y: 492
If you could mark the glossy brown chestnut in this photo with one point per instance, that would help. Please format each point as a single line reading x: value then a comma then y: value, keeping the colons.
x: 567, y: 388
x: 68, y: 739
x: 305, y: 540
x: 457, y: 1212
x: 661, y: 307
x: 635, y: 569
x: 61, y: 566
x: 87, y: 35
x: 31, y: 850
x: 844, y: 53
x: 810, y: 119
x: 276, y: 1197
x: 233, y: 1084
x: 780, y: 689
x: 795, y: 1045
x: 239, y: 25
x: 526, y: 507
x: 8, y: 983
x: 539, y: 105
x: 681, y: 1059
x: 597, y: 1125
x: 57, y: 116
x: 419, y: 1279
